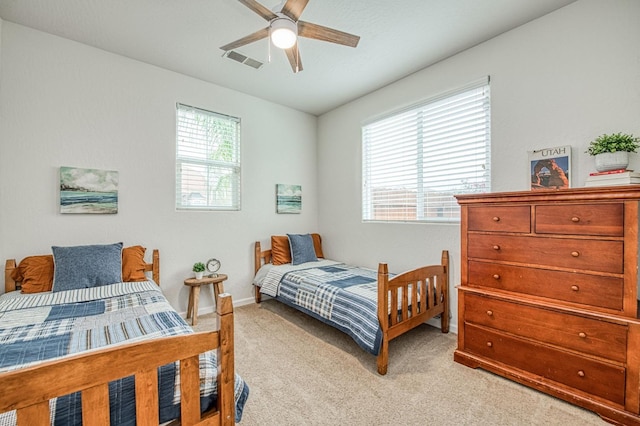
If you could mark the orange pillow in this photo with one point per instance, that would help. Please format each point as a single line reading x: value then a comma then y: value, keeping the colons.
x: 35, y: 273
x: 281, y: 251
x: 133, y: 264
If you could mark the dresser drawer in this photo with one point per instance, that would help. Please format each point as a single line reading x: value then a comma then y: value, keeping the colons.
x: 591, y: 255
x: 590, y: 336
x: 500, y: 219
x: 580, y: 219
x: 590, y: 290
x: 597, y: 378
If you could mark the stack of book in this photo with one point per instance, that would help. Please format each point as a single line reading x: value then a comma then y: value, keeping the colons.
x: 613, y: 177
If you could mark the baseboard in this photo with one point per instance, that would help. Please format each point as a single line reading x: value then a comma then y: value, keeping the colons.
x: 211, y: 309
x: 435, y: 322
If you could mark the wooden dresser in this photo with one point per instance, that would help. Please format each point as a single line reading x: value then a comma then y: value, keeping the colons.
x: 548, y: 294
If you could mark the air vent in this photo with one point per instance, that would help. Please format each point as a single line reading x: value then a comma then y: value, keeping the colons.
x: 239, y: 57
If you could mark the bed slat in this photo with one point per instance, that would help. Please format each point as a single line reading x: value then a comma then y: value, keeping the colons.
x: 405, y: 302
x: 432, y: 289
x: 147, y: 409
x: 95, y: 405
x: 37, y: 414
x: 190, y: 390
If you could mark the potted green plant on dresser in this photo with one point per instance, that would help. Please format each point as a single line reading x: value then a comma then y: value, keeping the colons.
x: 611, y: 151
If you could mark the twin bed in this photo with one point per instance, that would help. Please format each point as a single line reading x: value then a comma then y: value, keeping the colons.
x: 114, y: 354
x: 118, y: 354
x: 371, y: 307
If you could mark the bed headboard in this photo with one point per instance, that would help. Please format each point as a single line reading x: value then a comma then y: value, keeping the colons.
x: 10, y: 265
x: 261, y: 257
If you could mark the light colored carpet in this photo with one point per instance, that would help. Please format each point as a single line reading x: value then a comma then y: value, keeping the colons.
x: 303, y: 372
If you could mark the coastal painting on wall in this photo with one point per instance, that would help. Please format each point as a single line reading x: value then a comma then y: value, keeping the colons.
x: 288, y: 198
x: 88, y: 191
x: 550, y: 168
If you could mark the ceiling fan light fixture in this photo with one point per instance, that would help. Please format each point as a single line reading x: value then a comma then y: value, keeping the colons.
x: 284, y: 33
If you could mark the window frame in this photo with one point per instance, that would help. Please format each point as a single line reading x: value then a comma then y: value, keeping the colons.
x: 405, y: 128
x: 203, y: 146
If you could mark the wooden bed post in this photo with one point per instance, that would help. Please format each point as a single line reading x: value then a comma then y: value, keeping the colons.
x: 444, y: 319
x: 383, y: 307
x: 226, y: 367
x: 9, y: 283
x: 156, y: 266
x: 257, y: 262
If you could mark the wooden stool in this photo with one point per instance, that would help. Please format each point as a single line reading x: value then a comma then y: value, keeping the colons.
x: 194, y: 293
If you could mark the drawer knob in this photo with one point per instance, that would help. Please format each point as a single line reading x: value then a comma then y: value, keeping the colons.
x: 575, y: 288
x: 575, y: 219
x: 496, y: 277
x: 575, y: 253
x: 489, y: 344
x: 496, y: 219
x: 490, y: 313
x: 582, y: 335
x: 496, y: 247
x: 580, y: 373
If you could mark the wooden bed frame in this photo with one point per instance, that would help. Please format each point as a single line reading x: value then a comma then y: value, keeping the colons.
x: 29, y: 390
x: 432, y: 280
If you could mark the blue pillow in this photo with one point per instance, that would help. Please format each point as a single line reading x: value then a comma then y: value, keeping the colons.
x: 302, y: 249
x: 86, y: 266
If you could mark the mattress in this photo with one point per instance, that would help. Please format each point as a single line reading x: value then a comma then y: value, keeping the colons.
x: 340, y: 295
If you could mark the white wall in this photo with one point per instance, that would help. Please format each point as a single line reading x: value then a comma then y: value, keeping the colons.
x: 68, y: 104
x: 562, y: 79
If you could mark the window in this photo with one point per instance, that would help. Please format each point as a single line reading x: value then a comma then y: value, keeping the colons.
x: 415, y: 160
x: 207, y: 160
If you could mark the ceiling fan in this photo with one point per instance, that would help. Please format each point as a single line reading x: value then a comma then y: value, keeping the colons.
x: 285, y: 28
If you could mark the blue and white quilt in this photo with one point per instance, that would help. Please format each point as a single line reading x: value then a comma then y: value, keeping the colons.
x: 47, y: 326
x: 343, y: 296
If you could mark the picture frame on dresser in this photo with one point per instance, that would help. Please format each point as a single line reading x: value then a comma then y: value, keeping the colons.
x: 550, y: 168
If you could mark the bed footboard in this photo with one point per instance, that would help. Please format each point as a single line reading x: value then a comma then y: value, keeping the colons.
x: 409, y: 299
x: 28, y: 390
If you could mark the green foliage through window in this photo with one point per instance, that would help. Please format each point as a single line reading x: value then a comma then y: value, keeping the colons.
x: 207, y: 160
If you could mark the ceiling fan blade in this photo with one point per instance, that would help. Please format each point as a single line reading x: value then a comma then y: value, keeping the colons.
x: 318, y: 32
x: 293, y: 54
x: 259, y: 9
x: 293, y: 8
x: 258, y: 35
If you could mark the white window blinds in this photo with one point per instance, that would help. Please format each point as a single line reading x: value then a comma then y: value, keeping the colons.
x: 207, y: 160
x: 415, y: 160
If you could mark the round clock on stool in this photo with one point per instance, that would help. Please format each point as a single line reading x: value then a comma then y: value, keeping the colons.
x: 213, y: 265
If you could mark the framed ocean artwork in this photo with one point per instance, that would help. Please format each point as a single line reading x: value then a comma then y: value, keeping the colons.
x: 88, y: 191
x: 288, y: 198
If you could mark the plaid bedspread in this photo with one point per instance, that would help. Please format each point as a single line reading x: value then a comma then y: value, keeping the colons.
x: 47, y: 326
x: 340, y: 295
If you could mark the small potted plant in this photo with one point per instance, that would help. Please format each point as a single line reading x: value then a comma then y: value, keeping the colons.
x: 611, y: 151
x: 198, y: 268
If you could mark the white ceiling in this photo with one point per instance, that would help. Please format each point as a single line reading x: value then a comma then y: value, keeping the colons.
x: 397, y: 38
